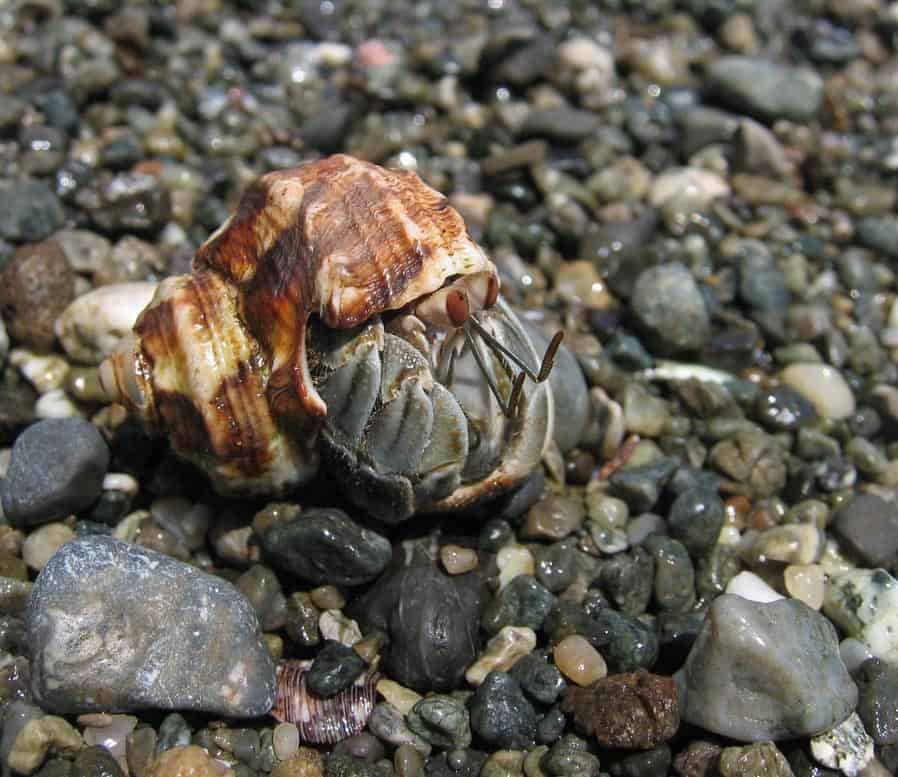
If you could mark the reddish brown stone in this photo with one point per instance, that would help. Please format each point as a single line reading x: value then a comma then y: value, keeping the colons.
x: 37, y: 285
x: 636, y: 710
x: 697, y: 760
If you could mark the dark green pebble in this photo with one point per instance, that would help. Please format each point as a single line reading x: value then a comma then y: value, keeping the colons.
x: 641, y: 486
x: 501, y: 715
x: 877, y: 705
x: 334, y: 669
x: 551, y: 725
x: 674, y: 574
x: 523, y: 602
x: 495, y: 534
x: 556, y: 565
x: 696, y: 518
x: 441, y: 720
x: 627, y: 578
x: 568, y: 757
x: 539, y: 679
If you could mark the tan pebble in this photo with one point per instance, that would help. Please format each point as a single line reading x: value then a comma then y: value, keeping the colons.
x: 306, y: 763
x: 693, y: 182
x: 805, y: 583
x: 504, y: 763
x: 327, y: 597
x: 823, y: 386
x: 398, y: 696
x: 794, y: 543
x: 531, y: 762
x: 56, y: 404
x: 38, y: 738
x: 83, y: 383
x: 188, y: 761
x: 408, y: 762
x: 458, y: 560
x: 502, y: 652
x: 514, y: 560
x: 11, y: 540
x: 43, y: 543
x: 334, y: 625
x: 45, y: 373
x: 285, y: 740
x: 275, y: 645
x: 553, y: 518
x: 368, y: 649
x: 580, y: 282
x: 579, y: 661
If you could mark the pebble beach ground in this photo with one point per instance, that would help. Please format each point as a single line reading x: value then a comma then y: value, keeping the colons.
x: 701, y: 578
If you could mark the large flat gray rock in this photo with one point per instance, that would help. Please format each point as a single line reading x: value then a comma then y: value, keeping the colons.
x: 113, y: 626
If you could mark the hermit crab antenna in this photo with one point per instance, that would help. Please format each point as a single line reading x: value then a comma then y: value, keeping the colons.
x: 511, y: 407
x: 548, y: 357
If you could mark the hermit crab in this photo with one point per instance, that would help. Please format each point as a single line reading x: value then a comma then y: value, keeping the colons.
x: 343, y: 316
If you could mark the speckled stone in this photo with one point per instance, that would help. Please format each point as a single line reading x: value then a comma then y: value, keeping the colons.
x: 108, y: 625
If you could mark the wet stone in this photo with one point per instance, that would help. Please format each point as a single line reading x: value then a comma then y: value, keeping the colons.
x: 765, y: 671
x: 538, y: 678
x: 261, y: 587
x: 553, y: 518
x: 523, y: 602
x: 334, y: 669
x: 560, y: 123
x: 568, y: 757
x: 551, y: 725
x: 443, y: 721
x: 56, y: 468
x: 652, y: 763
x: 458, y: 763
x: 627, y: 580
x: 640, y: 486
x: 696, y: 518
x: 753, y: 459
x: 669, y: 305
x: 130, y: 202
x: 501, y: 714
x: 96, y: 762
x: 879, y: 233
x: 327, y: 546
x: 674, y: 574
x: 762, y: 759
x: 150, y: 606
x: 30, y: 211
x: 783, y: 409
x: 766, y: 90
x: 878, y: 700
x: 846, y: 747
x: 869, y: 525
x: 637, y: 710
x: 35, y: 287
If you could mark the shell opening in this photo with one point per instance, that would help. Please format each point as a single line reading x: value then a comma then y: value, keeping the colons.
x: 119, y: 375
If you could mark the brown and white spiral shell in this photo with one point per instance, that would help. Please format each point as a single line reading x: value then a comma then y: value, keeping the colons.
x: 322, y: 721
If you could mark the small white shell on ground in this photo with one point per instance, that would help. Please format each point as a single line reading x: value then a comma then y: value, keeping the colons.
x: 91, y: 327
x: 823, y: 386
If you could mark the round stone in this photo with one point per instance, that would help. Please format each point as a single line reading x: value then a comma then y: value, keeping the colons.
x: 579, y: 661
x: 824, y: 386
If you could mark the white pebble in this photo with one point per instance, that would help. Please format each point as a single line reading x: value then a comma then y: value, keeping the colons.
x: 43, y: 542
x: 864, y: 603
x: 823, y: 386
x: 45, y: 373
x: 121, y: 481
x: 749, y: 586
x: 502, y: 652
x: 853, y: 653
x: 805, y: 583
x: 514, y: 560
x: 846, y: 747
x: 285, y: 740
x: 91, y: 327
x: 334, y: 625
x: 693, y: 182
x: 56, y: 404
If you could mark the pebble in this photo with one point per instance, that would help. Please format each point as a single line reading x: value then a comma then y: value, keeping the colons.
x: 674, y: 588
x: 96, y: 761
x: 31, y: 211
x: 326, y: 546
x: 45, y: 373
x: 878, y: 700
x: 579, y: 661
x: 262, y: 590
x: 408, y: 762
x: 805, y: 583
x: 695, y: 519
x: 868, y: 524
x: 635, y: 710
x: 514, y: 560
x: 188, y: 761
x: 539, y: 679
x: 93, y: 325
x: 569, y: 757
x: 846, y: 747
x: 306, y: 763
x: 765, y: 89
x: 742, y: 645
x: 668, y: 304
x: 824, y: 386
x: 749, y: 586
x: 327, y: 597
x: 502, y: 652
x: 400, y: 697
x: 35, y: 287
x: 457, y: 560
x: 149, y: 606
x: 500, y: 713
x: 864, y: 604
x: 334, y: 669
x: 523, y: 602
x: 335, y: 626
x: 432, y: 620
x: 29, y: 736
x: 43, y: 542
x: 553, y: 518
x: 701, y: 185
x: 560, y: 123
x: 57, y: 468
x: 762, y: 759
x: 443, y: 721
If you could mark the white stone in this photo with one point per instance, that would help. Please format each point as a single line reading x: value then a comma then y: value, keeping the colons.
x: 56, y: 404
x: 121, y: 481
x: 44, y: 372
x: 864, y: 603
x: 805, y: 583
x: 749, y: 586
x: 514, y: 560
x: 502, y: 652
x: 846, y: 747
x: 334, y: 625
x: 699, y: 185
x: 91, y: 327
x: 823, y: 386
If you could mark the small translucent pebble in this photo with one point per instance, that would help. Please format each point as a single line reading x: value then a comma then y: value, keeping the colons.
x: 749, y: 586
x: 805, y: 583
x: 285, y: 740
x: 514, y: 560
x: 502, y: 652
x: 579, y: 661
x: 458, y: 560
x: 43, y: 542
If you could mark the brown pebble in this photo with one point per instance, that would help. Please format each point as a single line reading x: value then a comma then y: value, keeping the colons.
x: 139, y: 753
x: 13, y: 567
x: 306, y: 763
x: 635, y: 710
x: 736, y: 508
x: 188, y: 761
x: 458, y: 560
x: 579, y: 466
x: 553, y: 518
x: 36, y: 286
x: 579, y: 661
x: 699, y: 759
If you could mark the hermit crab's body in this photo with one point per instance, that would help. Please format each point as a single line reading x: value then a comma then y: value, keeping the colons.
x: 222, y: 360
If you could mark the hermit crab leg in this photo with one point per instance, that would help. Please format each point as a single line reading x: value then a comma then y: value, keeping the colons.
x: 509, y: 409
x: 548, y: 358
